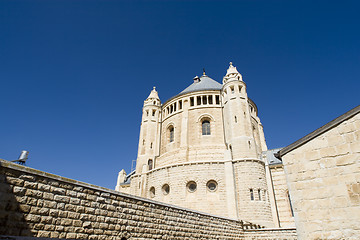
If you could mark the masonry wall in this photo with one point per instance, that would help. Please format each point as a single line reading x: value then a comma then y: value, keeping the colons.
x: 323, y: 176
x: 35, y: 203
x: 266, y: 234
x: 177, y: 177
x: 281, y: 196
x: 255, y: 207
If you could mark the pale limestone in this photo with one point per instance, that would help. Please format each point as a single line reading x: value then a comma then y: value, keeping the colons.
x: 231, y: 155
x: 325, y: 191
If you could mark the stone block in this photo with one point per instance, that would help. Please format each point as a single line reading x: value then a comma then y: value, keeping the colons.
x: 63, y: 199
x: 66, y: 222
x: 29, y: 178
x: 74, y: 201
x: 71, y: 193
x: 54, y: 234
x: 19, y: 190
x: 31, y: 185
x: 58, y: 191
x: 73, y: 215
x: 44, y: 234
x: 345, y: 160
x: 33, y: 193
x: 71, y: 235
x: 15, y: 181
x: 53, y: 212
x: 48, y: 196
x: 46, y: 219
x: 24, y: 208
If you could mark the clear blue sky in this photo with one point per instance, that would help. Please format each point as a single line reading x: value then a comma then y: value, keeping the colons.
x: 74, y: 74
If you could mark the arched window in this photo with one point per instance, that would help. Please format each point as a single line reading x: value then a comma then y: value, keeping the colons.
x: 205, y: 127
x: 171, y: 134
x: 150, y: 164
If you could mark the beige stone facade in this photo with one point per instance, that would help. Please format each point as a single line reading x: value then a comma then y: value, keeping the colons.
x: 202, y: 149
x: 323, y: 175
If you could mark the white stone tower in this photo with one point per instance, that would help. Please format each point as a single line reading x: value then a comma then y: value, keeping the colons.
x: 149, y: 138
x: 244, y: 139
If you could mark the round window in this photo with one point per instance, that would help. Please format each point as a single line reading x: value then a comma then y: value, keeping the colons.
x: 191, y: 186
x: 152, y: 192
x: 166, y: 189
x: 212, y: 185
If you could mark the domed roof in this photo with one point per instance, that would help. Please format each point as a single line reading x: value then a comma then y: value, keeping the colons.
x: 201, y: 84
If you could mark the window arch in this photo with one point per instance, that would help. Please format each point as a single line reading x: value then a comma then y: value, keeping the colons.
x: 171, y: 133
x: 205, y: 127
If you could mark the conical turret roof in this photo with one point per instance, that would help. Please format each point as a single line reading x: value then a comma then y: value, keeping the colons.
x: 153, y: 94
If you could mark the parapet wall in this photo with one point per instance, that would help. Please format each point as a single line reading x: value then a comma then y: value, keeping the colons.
x: 38, y: 204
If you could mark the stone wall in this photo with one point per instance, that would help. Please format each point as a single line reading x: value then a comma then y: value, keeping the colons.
x: 251, y: 188
x: 281, y: 196
x: 267, y: 234
x: 35, y: 203
x: 323, y: 175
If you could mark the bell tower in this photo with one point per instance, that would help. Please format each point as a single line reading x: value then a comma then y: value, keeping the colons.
x: 149, y: 139
x: 237, y: 120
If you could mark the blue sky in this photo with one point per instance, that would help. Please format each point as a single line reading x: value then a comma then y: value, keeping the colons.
x: 74, y: 74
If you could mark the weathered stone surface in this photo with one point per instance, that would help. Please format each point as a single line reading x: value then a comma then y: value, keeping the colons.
x: 38, y: 207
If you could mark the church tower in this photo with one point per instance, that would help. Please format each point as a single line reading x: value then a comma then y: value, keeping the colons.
x: 149, y: 138
x: 244, y: 139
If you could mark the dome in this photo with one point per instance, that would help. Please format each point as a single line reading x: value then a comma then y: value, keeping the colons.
x: 202, y: 84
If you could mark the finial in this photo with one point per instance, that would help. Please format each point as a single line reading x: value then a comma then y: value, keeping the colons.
x: 230, y: 63
x: 204, y: 74
x: 154, y: 89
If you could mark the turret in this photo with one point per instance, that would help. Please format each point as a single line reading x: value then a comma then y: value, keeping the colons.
x: 239, y: 135
x: 149, y: 139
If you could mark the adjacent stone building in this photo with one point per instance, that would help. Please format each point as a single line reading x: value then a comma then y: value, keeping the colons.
x: 323, y: 174
x: 205, y: 149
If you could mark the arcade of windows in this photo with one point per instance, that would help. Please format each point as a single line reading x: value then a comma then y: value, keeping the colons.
x: 200, y: 100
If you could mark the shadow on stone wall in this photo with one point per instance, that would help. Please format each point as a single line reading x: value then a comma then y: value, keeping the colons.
x: 12, y: 218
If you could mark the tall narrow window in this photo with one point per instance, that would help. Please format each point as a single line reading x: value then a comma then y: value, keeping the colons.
x: 174, y: 107
x: 153, y: 112
x: 235, y: 119
x: 198, y: 100
x: 205, y: 127
x: 171, y: 133
x: 259, y: 193
x: 292, y: 212
x: 232, y: 89
x: 217, y: 98
x: 192, y: 101
x: 210, y: 99
x: 180, y: 104
x: 251, y: 194
x: 204, y: 100
x: 150, y: 164
x: 150, y: 145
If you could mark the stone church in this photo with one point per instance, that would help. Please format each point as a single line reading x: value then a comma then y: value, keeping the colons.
x: 204, y: 149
